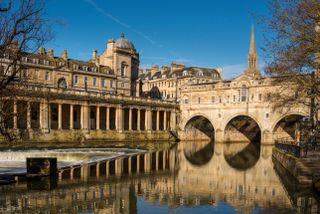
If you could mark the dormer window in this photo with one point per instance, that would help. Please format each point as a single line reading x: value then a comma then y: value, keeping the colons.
x: 200, y: 73
x: 185, y: 73
x: 24, y: 59
x: 75, y: 67
x: 60, y: 64
x: 85, y: 68
x: 46, y: 62
x: 36, y: 61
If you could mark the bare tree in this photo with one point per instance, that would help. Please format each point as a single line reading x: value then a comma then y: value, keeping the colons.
x: 23, y: 29
x: 292, y: 52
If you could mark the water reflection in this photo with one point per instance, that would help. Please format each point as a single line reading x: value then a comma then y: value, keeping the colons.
x: 192, y: 175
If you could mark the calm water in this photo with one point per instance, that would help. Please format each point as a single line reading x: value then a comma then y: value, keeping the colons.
x: 192, y: 177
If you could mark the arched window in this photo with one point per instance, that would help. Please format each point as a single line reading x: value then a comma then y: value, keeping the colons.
x: 123, y: 69
x: 244, y: 93
x: 62, y: 83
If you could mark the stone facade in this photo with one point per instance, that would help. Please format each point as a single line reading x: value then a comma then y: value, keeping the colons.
x: 63, y: 99
x: 239, y: 107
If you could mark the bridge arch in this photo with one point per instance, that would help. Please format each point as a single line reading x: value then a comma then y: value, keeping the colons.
x: 198, y: 153
x: 285, y: 126
x: 243, y: 128
x: 199, y: 124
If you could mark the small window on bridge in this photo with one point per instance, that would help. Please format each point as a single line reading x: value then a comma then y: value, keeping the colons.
x: 212, y: 99
x: 244, y: 93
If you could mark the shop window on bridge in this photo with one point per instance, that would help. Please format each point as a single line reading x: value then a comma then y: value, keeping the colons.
x: 243, y: 93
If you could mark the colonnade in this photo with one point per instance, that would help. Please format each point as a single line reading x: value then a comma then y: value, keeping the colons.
x: 81, y: 115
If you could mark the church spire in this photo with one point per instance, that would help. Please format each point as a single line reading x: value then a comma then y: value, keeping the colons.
x: 252, y: 57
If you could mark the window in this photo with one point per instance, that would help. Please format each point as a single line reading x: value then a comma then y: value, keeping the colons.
x: 185, y: 73
x: 94, y: 81
x: 243, y: 93
x: 260, y: 97
x: 111, y: 83
x: 123, y: 69
x: 234, y: 98
x: 47, y: 76
x: 76, y: 80
x: 24, y: 59
x: 85, y: 80
x: 212, y: 99
x: 199, y: 100
x: 186, y: 100
x: 60, y: 64
x: 36, y: 61
x: 46, y: 62
x: 220, y: 100
x: 103, y: 83
x: 75, y: 67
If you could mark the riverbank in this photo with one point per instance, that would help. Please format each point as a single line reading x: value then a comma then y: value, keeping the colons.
x: 304, y: 171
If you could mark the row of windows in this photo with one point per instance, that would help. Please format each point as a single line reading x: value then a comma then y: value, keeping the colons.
x: 84, y: 68
x: 242, y: 98
x: 35, y: 61
x: 94, y: 81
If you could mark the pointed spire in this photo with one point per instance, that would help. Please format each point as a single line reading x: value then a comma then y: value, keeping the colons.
x: 252, y: 50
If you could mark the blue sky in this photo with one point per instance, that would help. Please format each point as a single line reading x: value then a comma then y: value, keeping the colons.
x: 209, y: 33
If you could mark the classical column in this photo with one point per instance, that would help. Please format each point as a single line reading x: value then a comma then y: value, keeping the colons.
x: 158, y: 120
x: 44, y: 116
x: 81, y: 117
x: 147, y: 162
x: 130, y: 119
x: 138, y: 119
x: 85, y: 117
x: 98, y: 118
x: 98, y: 170
x: 15, y: 116
x: 71, y: 173
x: 165, y: 120
x: 28, y: 115
x: 148, y: 119
x: 164, y: 158
x: 71, y: 117
x: 157, y: 161
x: 118, y: 166
x: 107, y: 168
x: 107, y: 118
x: 173, y: 120
x: 119, y: 118
x: 59, y: 116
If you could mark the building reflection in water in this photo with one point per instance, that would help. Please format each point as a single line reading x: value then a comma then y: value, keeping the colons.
x: 190, y: 174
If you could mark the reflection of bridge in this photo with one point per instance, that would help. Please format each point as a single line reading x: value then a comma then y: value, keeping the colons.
x: 173, y: 178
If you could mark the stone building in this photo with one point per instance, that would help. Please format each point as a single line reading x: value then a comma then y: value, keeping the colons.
x: 241, y: 108
x: 166, y: 82
x: 59, y: 97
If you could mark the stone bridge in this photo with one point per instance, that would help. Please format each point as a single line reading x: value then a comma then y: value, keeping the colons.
x: 237, y: 110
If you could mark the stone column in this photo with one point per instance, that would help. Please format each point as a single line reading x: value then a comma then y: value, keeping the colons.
x: 98, y: 118
x: 158, y: 120
x: 165, y: 120
x: 164, y: 158
x: 98, y: 170
x: 81, y: 117
x: 85, y: 117
x: 130, y: 119
x: 59, y: 116
x: 119, y: 119
x: 28, y: 115
x: 15, y: 116
x: 107, y: 118
x: 148, y: 119
x: 44, y: 116
x: 147, y: 162
x: 173, y: 120
x: 157, y: 161
x: 71, y: 173
x: 71, y: 117
x: 107, y: 168
x: 138, y: 119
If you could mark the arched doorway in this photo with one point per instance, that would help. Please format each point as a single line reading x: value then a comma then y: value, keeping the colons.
x: 199, y: 126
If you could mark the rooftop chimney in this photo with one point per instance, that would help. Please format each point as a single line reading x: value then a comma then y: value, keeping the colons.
x: 64, y: 55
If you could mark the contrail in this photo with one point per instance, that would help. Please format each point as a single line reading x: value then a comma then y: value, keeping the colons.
x: 116, y: 20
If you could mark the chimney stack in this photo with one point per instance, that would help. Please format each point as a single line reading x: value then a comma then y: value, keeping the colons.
x: 64, y: 55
